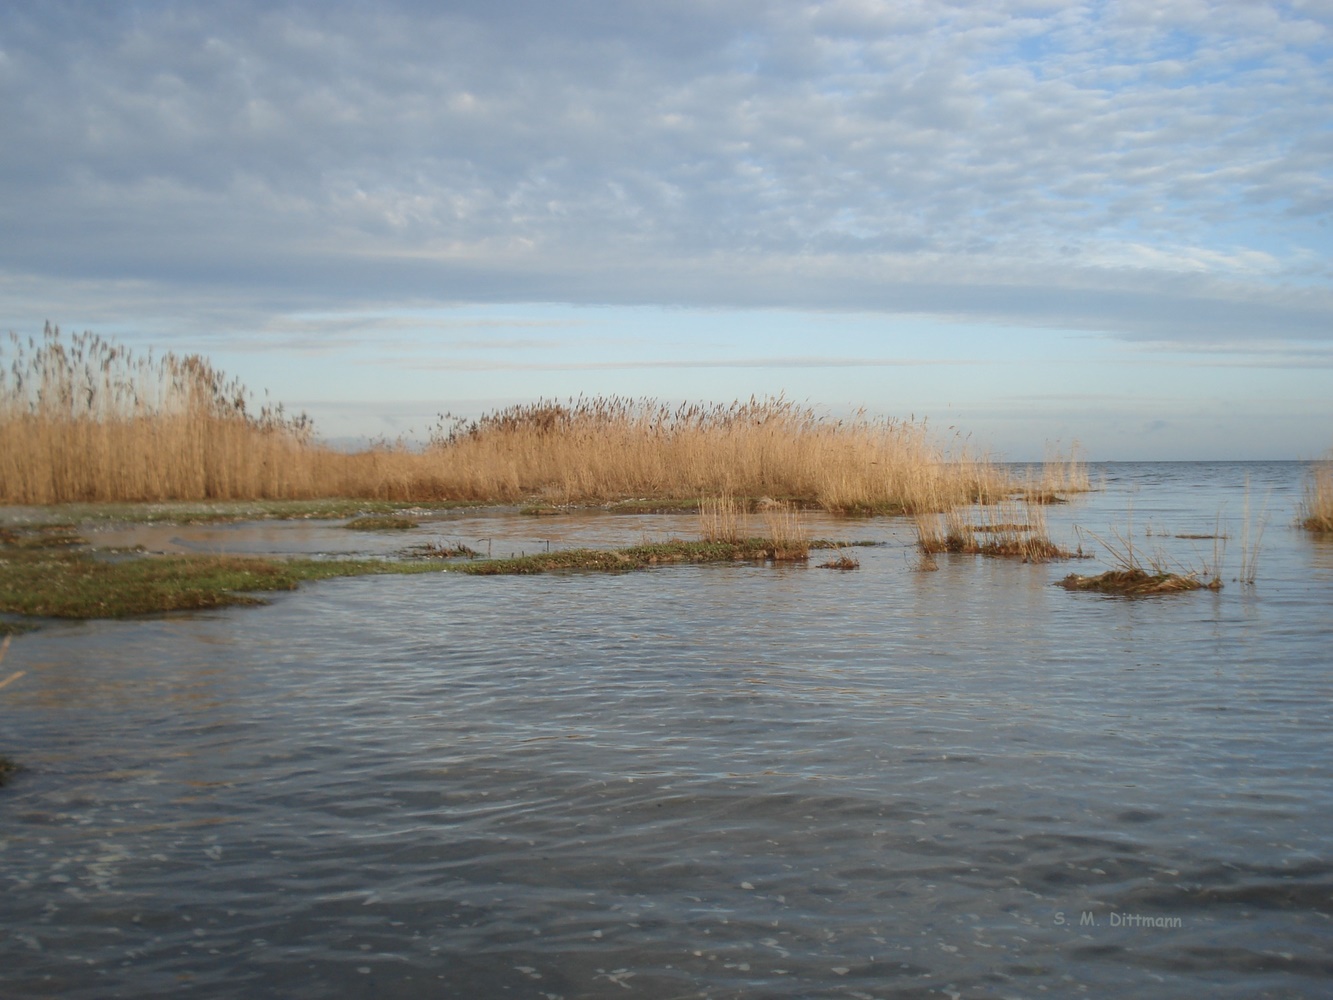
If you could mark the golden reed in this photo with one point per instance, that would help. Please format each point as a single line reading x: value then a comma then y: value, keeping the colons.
x: 82, y: 419
x: 1316, y: 509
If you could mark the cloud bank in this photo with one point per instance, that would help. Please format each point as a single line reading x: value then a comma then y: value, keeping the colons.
x: 1155, y: 170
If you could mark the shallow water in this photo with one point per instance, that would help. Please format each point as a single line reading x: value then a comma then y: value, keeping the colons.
x: 723, y: 781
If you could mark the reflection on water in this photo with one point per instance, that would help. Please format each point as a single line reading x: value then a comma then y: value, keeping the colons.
x: 723, y: 780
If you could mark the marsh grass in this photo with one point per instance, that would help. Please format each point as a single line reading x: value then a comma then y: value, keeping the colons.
x: 786, y: 530
x: 723, y: 519
x: 1316, y: 509
x: 842, y: 562
x: 7, y: 769
x: 599, y: 450
x: 84, y: 420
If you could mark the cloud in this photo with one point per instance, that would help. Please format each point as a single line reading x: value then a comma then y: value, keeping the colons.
x: 1152, y: 170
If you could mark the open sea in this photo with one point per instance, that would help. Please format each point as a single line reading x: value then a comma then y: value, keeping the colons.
x: 694, y: 781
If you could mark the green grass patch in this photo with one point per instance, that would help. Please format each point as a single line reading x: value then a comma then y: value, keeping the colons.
x: 72, y: 584
x: 638, y: 557
x: 65, y: 582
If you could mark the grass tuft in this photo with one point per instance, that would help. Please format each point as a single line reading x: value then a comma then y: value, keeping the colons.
x: 1316, y: 510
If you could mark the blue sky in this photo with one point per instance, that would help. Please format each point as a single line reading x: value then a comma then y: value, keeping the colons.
x: 1030, y: 221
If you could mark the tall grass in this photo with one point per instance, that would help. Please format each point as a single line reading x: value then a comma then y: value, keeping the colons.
x: 83, y: 419
x: 1059, y: 473
x: 1316, y: 511
x: 599, y: 449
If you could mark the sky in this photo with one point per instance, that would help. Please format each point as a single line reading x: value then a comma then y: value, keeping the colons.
x: 1029, y: 223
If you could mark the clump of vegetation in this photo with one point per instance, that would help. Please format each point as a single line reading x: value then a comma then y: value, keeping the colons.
x: 1131, y: 579
x: 1316, y: 510
x: 1009, y: 533
x: 7, y: 768
x: 1138, y: 582
x: 375, y: 522
x: 842, y: 562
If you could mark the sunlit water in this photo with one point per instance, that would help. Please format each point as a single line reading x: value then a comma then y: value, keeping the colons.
x: 721, y: 781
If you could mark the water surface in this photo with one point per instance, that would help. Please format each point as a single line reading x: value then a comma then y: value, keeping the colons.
x: 722, y: 781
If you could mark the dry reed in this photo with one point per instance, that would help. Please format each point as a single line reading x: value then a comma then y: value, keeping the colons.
x: 722, y: 519
x: 1316, y: 510
x: 1059, y: 473
x: 82, y: 419
x: 1011, y: 531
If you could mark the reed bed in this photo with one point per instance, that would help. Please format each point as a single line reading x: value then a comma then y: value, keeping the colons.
x: 1316, y: 510
x: 83, y: 419
x: 597, y: 450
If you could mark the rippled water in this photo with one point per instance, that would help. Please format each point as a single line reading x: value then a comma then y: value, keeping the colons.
x: 722, y: 781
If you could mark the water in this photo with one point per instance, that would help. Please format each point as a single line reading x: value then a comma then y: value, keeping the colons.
x: 720, y: 781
